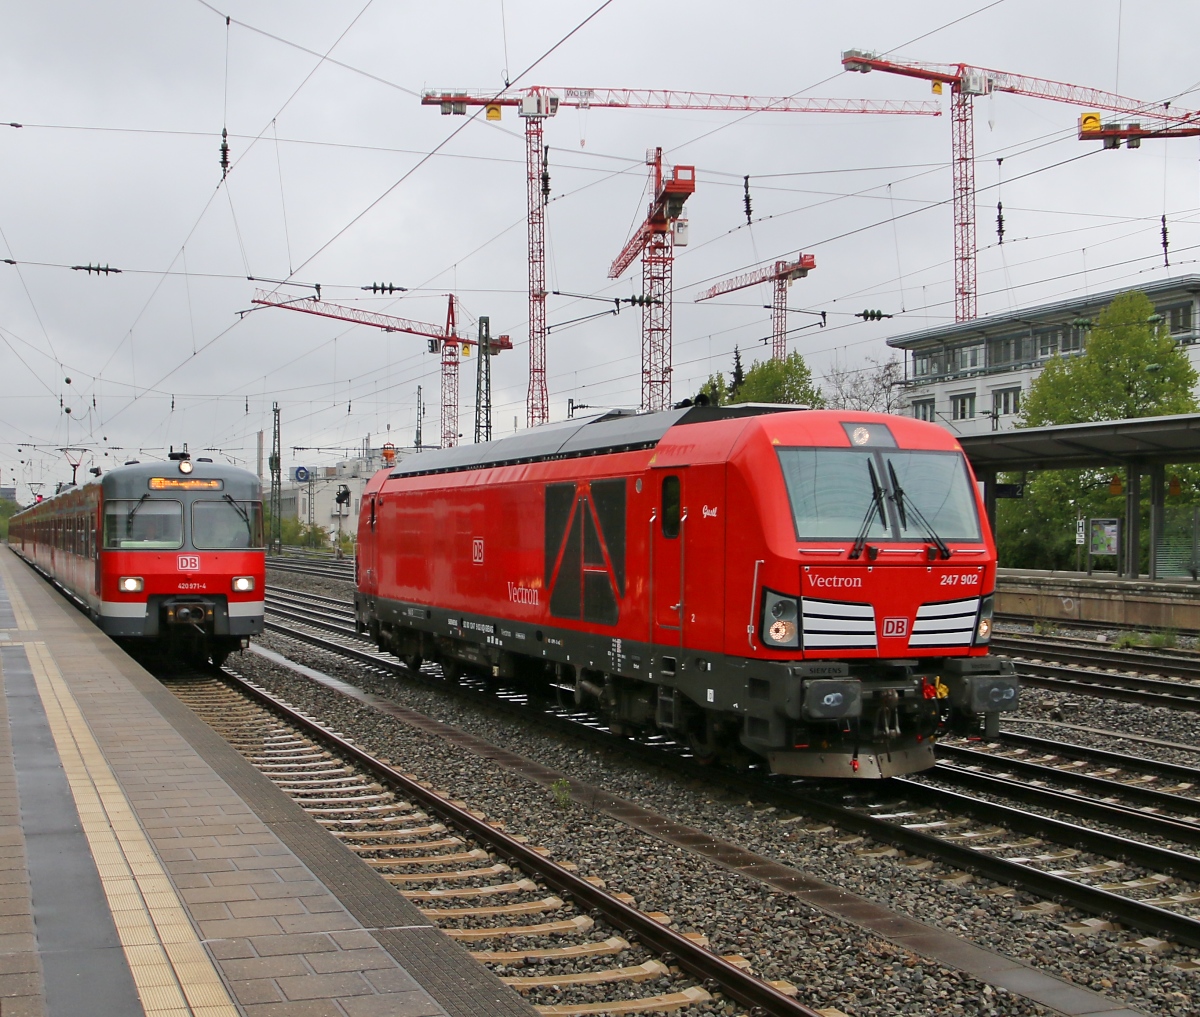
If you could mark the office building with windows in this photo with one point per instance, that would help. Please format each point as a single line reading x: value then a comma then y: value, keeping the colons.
x: 971, y: 376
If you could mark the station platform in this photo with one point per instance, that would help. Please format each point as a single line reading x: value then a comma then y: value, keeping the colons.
x: 1098, y: 599
x: 147, y: 868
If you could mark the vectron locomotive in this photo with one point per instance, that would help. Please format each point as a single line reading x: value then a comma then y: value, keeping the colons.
x: 812, y: 587
x: 168, y: 552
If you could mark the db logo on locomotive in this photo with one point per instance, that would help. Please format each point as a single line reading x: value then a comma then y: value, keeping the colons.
x: 189, y: 563
x: 895, y: 626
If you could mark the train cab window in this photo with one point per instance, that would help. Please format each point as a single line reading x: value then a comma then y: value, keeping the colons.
x: 670, y: 507
x: 143, y: 525
x: 227, y: 524
x: 372, y: 500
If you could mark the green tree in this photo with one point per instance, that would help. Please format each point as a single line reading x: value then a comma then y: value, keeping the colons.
x: 1131, y: 367
x: 738, y: 376
x: 7, y: 508
x: 715, y: 390
x: 779, y: 381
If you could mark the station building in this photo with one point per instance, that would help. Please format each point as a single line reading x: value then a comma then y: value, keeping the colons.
x: 971, y: 376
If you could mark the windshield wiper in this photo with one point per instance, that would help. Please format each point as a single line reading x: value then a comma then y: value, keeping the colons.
x: 898, y: 497
x: 243, y: 513
x: 132, y: 512
x: 876, y: 506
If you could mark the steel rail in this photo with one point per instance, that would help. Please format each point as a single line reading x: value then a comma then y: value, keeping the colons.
x: 1114, y: 813
x: 1175, y: 771
x: 1061, y: 832
x: 1082, y: 896
x: 696, y: 960
x: 1122, y: 688
x: 1099, y: 786
x: 1088, y: 898
x: 1142, y: 660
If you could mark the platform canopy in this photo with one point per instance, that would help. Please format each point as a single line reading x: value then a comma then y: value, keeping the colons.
x: 1144, y: 441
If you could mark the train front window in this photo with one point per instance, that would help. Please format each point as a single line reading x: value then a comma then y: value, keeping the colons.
x: 938, y: 485
x: 831, y: 493
x: 227, y: 524
x: 143, y: 525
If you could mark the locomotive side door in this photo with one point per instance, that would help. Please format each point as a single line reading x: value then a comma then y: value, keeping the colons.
x: 666, y: 545
x: 367, y: 578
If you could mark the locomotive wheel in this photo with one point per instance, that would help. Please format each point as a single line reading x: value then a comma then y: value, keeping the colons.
x: 704, y: 741
x: 413, y: 662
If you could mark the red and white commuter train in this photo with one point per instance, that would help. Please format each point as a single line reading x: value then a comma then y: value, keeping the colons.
x: 168, y: 552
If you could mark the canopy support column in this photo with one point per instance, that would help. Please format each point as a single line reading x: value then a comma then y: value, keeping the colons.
x: 1133, y: 518
x: 988, y: 479
x: 1158, y: 485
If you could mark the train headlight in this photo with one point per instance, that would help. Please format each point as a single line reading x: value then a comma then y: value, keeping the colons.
x: 243, y: 584
x: 780, y: 617
x: 983, y: 627
x: 131, y: 584
x: 185, y: 466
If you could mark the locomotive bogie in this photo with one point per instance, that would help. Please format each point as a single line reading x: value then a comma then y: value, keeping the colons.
x: 697, y: 573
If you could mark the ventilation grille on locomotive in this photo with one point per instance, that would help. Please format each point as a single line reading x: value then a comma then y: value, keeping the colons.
x: 837, y: 625
x: 951, y: 623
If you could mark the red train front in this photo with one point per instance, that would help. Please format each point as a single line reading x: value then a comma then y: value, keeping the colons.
x: 165, y: 552
x: 812, y: 587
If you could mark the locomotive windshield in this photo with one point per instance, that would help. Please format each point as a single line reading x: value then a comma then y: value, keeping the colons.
x: 830, y: 491
x: 143, y: 525
x: 226, y: 524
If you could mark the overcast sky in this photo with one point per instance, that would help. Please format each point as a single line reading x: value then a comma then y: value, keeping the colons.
x: 123, y: 104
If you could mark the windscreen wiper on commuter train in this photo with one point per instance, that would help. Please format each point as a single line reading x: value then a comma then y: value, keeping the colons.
x: 898, y: 497
x: 241, y: 512
x: 876, y: 506
x: 132, y: 512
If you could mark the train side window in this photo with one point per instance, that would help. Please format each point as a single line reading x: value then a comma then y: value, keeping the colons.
x: 372, y: 512
x: 670, y: 507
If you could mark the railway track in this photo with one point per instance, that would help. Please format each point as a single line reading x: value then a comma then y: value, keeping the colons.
x: 1126, y: 676
x: 1171, y: 664
x: 581, y: 949
x: 970, y: 832
x: 326, y: 568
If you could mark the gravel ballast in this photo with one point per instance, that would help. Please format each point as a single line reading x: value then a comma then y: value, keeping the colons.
x: 851, y: 969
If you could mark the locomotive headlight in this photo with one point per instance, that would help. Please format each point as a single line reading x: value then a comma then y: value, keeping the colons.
x: 131, y: 584
x: 243, y: 584
x: 185, y: 466
x: 983, y: 627
x: 783, y: 632
x: 780, y: 615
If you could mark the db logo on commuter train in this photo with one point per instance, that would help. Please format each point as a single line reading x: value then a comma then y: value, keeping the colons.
x: 477, y: 551
x: 189, y: 563
x: 895, y: 626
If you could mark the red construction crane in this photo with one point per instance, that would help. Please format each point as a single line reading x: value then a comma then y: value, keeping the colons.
x: 781, y: 274
x: 965, y: 83
x: 538, y: 102
x: 444, y: 338
x: 655, y: 241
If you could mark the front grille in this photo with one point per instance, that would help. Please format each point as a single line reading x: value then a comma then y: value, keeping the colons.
x: 837, y: 625
x: 950, y: 623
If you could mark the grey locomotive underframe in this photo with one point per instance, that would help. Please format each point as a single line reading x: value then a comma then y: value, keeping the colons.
x: 769, y: 697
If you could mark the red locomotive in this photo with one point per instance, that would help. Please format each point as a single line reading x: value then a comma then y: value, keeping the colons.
x: 169, y: 552
x: 809, y: 586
